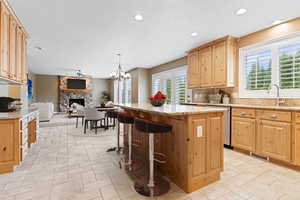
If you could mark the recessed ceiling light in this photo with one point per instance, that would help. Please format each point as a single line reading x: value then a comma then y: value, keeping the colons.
x: 241, y: 11
x: 194, y: 34
x: 138, y: 17
x: 277, y: 22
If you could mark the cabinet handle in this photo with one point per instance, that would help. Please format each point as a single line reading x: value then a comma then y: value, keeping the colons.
x: 274, y: 116
x: 4, y: 148
x: 243, y: 113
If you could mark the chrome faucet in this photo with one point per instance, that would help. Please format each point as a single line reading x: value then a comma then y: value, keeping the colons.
x: 278, y: 102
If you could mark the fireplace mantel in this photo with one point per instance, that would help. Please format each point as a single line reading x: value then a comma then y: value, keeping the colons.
x: 63, y: 84
x: 76, y: 90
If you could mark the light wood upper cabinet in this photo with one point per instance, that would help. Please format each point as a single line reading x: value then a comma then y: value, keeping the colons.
x: 193, y: 70
x: 13, y: 47
x: 243, y: 133
x: 274, y: 139
x: 5, y: 22
x: 19, y: 54
x: 13, y: 55
x: 215, y: 63
x: 24, y: 59
x: 205, y: 65
x: 219, y: 69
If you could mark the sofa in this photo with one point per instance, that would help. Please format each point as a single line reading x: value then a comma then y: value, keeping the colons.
x: 46, y: 110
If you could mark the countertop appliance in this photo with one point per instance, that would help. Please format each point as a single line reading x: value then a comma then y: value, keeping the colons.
x: 7, y: 104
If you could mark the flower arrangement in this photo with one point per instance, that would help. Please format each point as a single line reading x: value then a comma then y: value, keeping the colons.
x: 158, y: 99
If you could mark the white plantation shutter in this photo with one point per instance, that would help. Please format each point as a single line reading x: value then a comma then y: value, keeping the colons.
x: 172, y: 83
x: 180, y: 87
x: 155, y: 85
x: 258, y: 70
x: 289, y: 66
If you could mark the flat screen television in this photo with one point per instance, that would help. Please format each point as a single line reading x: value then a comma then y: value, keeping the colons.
x: 79, y: 84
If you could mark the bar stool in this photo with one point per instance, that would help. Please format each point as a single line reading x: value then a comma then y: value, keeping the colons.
x: 156, y: 186
x: 113, y: 114
x: 126, y: 119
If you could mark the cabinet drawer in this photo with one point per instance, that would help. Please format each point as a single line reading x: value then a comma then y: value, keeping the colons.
x: 297, y: 117
x: 243, y: 112
x: 275, y: 115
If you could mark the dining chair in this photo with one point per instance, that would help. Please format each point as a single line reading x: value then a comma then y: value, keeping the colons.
x: 93, y: 116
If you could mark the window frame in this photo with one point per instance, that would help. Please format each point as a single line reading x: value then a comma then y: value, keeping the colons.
x: 273, y: 45
x: 169, y: 74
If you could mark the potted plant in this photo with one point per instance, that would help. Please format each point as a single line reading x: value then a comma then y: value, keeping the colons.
x: 104, y: 98
x: 158, y: 99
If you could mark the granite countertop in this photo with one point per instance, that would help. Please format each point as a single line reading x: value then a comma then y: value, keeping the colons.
x: 292, y: 108
x: 17, y: 114
x: 171, y: 109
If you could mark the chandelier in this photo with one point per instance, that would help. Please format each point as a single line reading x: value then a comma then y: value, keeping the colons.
x: 119, y: 74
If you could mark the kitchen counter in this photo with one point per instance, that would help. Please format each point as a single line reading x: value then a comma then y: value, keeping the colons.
x: 17, y: 114
x: 293, y: 108
x: 171, y: 109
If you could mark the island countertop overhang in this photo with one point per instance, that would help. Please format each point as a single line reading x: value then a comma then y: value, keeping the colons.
x: 170, y: 109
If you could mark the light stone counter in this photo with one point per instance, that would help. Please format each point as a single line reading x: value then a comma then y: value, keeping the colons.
x: 17, y: 114
x: 292, y: 108
x: 169, y: 109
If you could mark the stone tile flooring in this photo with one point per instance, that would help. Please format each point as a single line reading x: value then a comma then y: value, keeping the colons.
x: 66, y: 165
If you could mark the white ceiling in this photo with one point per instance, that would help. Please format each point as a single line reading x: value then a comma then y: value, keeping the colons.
x: 89, y: 33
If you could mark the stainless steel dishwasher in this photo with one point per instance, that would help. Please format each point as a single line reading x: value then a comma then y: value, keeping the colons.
x: 227, y: 124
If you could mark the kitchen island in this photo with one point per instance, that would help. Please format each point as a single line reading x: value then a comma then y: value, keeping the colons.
x: 194, y: 148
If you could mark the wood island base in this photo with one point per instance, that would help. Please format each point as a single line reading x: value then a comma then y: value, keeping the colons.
x: 194, y: 148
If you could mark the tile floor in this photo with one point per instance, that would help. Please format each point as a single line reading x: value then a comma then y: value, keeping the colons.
x: 65, y: 165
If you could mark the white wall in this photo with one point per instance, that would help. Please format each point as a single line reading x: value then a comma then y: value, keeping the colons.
x: 3, y: 90
x: 99, y: 85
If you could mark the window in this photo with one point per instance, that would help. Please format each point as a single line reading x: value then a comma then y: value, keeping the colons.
x: 276, y: 62
x: 124, y: 91
x: 172, y: 83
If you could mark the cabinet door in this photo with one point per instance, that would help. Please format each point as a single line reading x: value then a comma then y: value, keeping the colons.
x: 205, y: 65
x: 274, y: 139
x: 31, y: 132
x: 219, y: 72
x: 19, y: 54
x: 199, y: 146
x: 193, y: 70
x: 12, y: 47
x: 243, y: 133
x: 216, y: 143
x: 4, y: 41
x: 296, y: 148
x: 7, y: 140
x: 24, y: 59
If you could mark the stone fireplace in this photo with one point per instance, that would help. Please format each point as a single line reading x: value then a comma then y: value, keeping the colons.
x: 78, y: 101
x: 69, y: 96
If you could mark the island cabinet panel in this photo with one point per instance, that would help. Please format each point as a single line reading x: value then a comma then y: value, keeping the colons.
x: 274, y: 140
x: 31, y: 132
x: 205, y: 149
x: 243, y: 133
x: 9, y: 144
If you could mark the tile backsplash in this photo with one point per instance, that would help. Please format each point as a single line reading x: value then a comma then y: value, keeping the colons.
x: 234, y: 97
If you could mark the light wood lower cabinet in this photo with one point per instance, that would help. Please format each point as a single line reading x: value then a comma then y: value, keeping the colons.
x: 296, y: 145
x: 274, y: 139
x: 9, y: 144
x: 243, y: 133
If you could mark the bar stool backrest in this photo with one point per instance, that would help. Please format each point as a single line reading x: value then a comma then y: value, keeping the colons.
x: 93, y: 114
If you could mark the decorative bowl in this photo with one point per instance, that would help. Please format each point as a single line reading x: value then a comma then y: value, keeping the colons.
x: 157, y: 102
